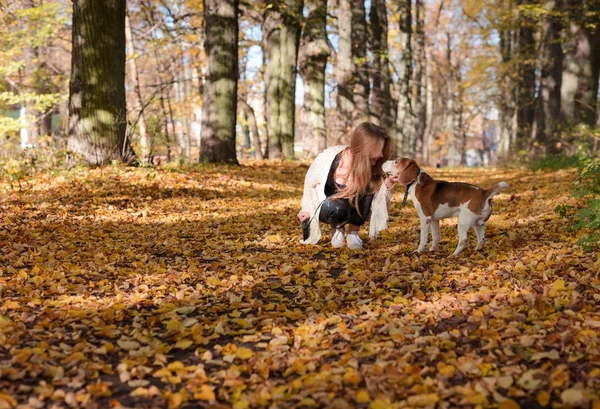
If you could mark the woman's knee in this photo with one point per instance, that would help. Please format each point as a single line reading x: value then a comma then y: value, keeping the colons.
x: 336, y: 213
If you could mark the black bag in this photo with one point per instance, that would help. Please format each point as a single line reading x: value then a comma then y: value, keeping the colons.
x: 306, y: 229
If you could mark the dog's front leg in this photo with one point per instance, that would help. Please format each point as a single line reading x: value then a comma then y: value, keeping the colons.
x: 424, y: 234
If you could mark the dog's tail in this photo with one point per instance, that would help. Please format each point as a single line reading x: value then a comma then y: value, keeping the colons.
x: 493, y: 191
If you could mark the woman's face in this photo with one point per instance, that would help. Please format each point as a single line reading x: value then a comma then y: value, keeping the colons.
x: 377, y: 152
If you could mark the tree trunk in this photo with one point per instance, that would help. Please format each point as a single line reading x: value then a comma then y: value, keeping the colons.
x: 420, y: 91
x: 361, y: 63
x: 249, y: 112
x: 314, y: 51
x: 137, y: 92
x: 97, y: 110
x: 505, y: 115
x: 526, y: 83
x: 219, y: 105
x: 381, y: 109
x: 546, y: 128
x: 344, y: 72
x: 587, y: 48
x: 429, y: 109
x: 450, y: 109
x: 404, y: 122
x: 281, y: 36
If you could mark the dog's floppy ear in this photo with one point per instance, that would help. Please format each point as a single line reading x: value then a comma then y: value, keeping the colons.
x: 409, y: 171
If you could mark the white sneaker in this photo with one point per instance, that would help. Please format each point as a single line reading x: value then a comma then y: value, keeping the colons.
x: 354, y: 242
x: 337, y: 240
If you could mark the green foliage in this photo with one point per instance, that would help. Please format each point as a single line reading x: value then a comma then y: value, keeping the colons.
x: 587, y: 218
x: 555, y: 162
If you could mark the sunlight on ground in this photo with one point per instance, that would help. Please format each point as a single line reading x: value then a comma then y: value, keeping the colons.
x: 142, y: 287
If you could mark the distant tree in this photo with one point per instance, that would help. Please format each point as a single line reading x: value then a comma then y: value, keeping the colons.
x: 362, y: 85
x: 404, y: 122
x: 344, y: 71
x: 281, y: 37
x: 381, y: 107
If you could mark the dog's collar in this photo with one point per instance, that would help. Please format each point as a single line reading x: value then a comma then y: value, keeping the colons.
x: 408, y: 187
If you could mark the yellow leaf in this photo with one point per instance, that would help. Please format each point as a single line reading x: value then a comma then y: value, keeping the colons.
x: 352, y: 377
x: 8, y: 400
x: 184, y: 344
x: 244, y: 353
x: 380, y: 404
x: 205, y: 393
x: 362, y: 396
x: 139, y: 392
x: 543, y: 398
x: 423, y: 399
x: 242, y: 404
x: 176, y: 399
x: 509, y: 404
x: 559, y: 285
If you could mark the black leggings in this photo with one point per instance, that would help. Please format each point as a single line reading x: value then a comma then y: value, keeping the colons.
x: 339, y: 212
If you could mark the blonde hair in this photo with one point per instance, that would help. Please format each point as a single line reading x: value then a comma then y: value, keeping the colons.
x: 362, y: 177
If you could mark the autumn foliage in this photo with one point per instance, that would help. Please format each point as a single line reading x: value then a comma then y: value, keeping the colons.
x: 167, y: 288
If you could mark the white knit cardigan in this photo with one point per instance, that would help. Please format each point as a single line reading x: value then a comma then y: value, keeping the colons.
x: 314, y: 194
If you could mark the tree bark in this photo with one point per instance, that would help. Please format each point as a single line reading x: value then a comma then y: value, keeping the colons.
x: 549, y: 107
x: 137, y: 91
x: 344, y: 72
x: 450, y: 109
x: 381, y: 109
x: 361, y: 63
x: 526, y: 83
x: 281, y: 34
x: 420, y: 91
x: 97, y: 110
x: 249, y: 112
x: 314, y: 51
x: 219, y: 105
x: 404, y: 122
x: 507, y: 90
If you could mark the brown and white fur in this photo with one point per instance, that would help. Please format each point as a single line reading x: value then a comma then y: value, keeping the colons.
x: 436, y: 200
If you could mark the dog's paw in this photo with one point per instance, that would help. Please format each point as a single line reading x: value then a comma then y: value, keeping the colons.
x: 432, y: 248
x: 417, y: 251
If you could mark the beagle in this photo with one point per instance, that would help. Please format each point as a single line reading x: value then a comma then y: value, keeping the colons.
x: 436, y: 200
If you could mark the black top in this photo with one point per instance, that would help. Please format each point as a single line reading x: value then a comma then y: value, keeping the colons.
x: 331, y: 186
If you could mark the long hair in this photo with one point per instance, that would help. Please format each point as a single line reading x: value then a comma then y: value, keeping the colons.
x: 365, y: 143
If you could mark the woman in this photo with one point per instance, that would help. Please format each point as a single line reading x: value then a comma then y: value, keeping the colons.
x: 346, y: 186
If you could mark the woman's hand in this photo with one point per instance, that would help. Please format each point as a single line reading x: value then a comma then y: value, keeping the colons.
x: 390, y: 181
x: 303, y: 216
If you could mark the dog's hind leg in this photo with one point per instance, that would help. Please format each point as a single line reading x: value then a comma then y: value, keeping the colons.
x: 480, y: 236
x: 435, y: 235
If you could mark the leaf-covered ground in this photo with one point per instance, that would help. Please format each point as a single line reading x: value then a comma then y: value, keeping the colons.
x: 147, y: 288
